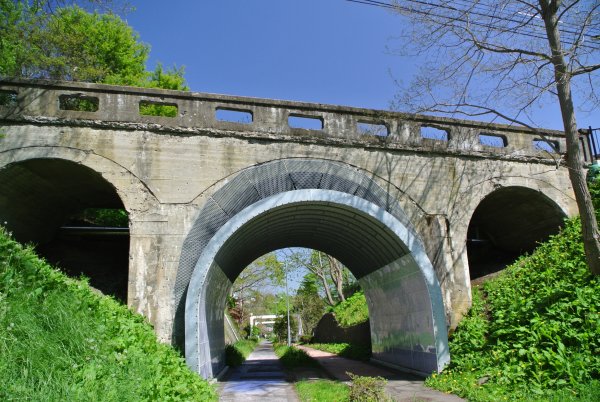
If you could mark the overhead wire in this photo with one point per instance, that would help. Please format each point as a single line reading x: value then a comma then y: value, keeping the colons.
x: 430, y: 13
x: 487, y: 7
x: 483, y: 9
x: 473, y: 8
x: 469, y: 8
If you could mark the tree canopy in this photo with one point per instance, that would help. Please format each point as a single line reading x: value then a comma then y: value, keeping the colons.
x: 62, y: 41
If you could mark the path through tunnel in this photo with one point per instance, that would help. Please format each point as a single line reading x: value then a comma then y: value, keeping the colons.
x: 509, y: 222
x: 73, y: 217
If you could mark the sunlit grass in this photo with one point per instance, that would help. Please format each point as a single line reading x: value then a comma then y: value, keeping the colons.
x: 322, y: 390
x: 59, y: 341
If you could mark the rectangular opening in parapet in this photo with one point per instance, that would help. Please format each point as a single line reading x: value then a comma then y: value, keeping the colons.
x: 492, y: 140
x: 540, y: 144
x: 234, y: 115
x: 78, y: 103
x: 160, y: 109
x: 305, y: 122
x: 365, y: 128
x: 8, y: 98
x: 434, y: 133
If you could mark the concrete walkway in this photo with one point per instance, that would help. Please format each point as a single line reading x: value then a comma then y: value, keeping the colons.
x: 260, y: 378
x: 401, y: 387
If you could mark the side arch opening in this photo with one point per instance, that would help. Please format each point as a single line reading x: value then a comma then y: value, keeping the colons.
x: 407, y: 318
x: 73, y: 217
x: 507, y: 223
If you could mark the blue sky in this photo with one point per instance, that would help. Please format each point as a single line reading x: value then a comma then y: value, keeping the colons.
x: 324, y: 51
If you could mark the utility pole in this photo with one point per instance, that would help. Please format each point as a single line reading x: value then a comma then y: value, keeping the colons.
x: 287, y: 298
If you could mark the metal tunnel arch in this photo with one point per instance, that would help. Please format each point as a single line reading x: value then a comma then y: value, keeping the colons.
x: 361, y: 226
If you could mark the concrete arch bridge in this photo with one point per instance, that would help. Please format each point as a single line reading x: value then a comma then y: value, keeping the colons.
x: 415, y: 206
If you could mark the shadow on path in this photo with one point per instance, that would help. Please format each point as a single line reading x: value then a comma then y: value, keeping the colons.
x: 260, y: 378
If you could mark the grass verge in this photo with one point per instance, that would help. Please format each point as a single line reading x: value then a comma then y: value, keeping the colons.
x: 322, y: 390
x: 61, y: 341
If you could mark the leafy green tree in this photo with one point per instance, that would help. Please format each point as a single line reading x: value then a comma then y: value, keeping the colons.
x: 308, y: 303
x: 46, y: 39
x: 81, y: 46
x: 280, y: 327
x: 264, y: 272
x: 171, y: 78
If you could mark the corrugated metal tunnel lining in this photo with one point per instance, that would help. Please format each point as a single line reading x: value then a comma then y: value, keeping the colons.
x: 358, y: 241
x: 323, y: 205
x: 256, y: 183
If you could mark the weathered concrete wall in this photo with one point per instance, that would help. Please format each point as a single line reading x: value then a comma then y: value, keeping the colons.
x: 164, y: 169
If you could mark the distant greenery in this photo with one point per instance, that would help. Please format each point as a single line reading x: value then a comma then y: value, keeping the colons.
x: 280, y: 327
x: 352, y: 311
x: 111, y: 217
x: 59, y: 341
x: 322, y: 390
x: 153, y: 109
x: 350, y: 351
x: 237, y: 353
x: 533, y: 333
x: 292, y: 357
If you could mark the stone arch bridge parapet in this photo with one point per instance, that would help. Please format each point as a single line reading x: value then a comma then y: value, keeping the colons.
x: 168, y: 172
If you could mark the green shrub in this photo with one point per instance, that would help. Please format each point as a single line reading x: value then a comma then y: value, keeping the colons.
x: 306, y: 339
x: 534, y: 331
x: 61, y: 341
x: 352, y: 311
x: 292, y: 357
x: 236, y: 353
x: 367, y: 389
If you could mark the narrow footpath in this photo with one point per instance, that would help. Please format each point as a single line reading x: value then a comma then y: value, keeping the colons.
x: 402, y: 387
x: 260, y: 378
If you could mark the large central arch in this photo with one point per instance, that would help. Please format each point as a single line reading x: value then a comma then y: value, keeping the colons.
x: 293, y: 204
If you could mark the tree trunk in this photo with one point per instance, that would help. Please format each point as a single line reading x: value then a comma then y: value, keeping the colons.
x: 321, y: 274
x: 337, y: 276
x: 589, y: 225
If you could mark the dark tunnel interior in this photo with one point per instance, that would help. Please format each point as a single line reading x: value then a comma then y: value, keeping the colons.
x: 60, y: 207
x: 507, y: 223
